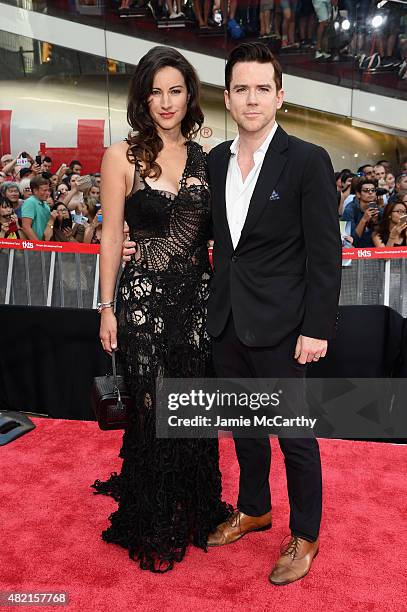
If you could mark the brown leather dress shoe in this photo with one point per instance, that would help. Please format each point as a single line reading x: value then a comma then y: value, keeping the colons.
x: 295, y: 561
x: 236, y: 526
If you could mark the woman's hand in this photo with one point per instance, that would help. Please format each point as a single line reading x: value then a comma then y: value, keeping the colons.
x: 129, y: 248
x: 108, y: 330
x: 397, y: 231
x: 68, y: 233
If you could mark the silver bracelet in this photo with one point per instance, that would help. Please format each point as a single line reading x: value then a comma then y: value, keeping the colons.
x: 102, y: 305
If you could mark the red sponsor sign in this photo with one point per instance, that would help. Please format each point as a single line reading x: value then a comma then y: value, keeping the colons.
x: 375, y: 253
x: 40, y: 245
x: 77, y: 247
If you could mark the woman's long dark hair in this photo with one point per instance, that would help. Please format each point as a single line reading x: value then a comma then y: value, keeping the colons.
x: 384, y: 227
x: 144, y: 141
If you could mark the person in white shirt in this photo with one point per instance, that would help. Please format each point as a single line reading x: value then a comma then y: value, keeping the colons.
x: 274, y: 296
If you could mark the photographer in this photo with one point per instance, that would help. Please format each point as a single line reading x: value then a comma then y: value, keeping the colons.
x: 61, y: 172
x: 80, y: 186
x: 9, y: 226
x: 7, y: 164
x: 23, y: 161
x: 392, y: 229
x: 61, y: 192
x: 60, y: 227
x: 363, y: 213
x: 93, y: 228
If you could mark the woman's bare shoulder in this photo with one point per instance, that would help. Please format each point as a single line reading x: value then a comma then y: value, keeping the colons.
x: 117, y: 151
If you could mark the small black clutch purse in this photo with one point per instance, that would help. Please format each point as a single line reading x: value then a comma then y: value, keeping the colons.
x: 111, y: 400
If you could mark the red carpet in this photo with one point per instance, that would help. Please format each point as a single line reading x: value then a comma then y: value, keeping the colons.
x: 51, y: 524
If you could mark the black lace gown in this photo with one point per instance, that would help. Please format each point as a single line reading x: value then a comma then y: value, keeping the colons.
x: 169, y: 490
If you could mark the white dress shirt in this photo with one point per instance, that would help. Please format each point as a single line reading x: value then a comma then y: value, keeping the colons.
x: 238, y: 193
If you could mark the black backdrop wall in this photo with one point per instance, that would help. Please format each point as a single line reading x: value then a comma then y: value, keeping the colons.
x: 48, y: 359
x: 49, y: 356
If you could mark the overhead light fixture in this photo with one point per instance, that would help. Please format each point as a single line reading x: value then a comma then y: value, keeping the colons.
x: 372, y: 109
x: 381, y: 4
x: 377, y: 21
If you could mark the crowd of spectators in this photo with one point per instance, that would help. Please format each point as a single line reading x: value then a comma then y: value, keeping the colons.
x: 374, y: 32
x: 373, y: 205
x: 39, y: 203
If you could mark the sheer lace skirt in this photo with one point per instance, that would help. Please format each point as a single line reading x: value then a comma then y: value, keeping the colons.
x: 168, y: 491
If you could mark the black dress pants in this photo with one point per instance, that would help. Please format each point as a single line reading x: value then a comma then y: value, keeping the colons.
x: 233, y: 359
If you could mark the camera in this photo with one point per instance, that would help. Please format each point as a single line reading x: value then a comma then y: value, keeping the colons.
x: 22, y: 161
x: 84, y: 182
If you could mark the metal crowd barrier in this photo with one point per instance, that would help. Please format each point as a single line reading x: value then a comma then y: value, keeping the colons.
x: 49, y: 274
x: 67, y: 275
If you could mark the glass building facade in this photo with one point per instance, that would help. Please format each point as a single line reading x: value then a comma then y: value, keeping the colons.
x: 65, y: 67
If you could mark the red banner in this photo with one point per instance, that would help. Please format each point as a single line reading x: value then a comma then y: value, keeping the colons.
x: 375, y: 253
x: 78, y: 247
x: 58, y: 247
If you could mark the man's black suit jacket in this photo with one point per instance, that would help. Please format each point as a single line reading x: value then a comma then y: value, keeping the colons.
x: 285, y: 272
